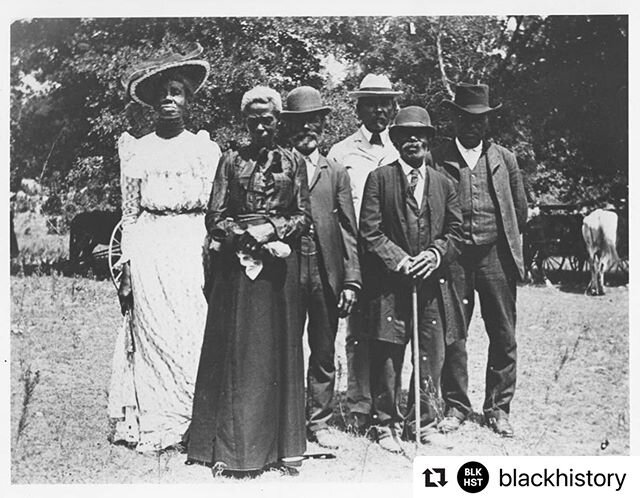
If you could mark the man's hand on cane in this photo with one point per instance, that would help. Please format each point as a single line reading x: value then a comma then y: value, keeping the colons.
x: 423, y: 264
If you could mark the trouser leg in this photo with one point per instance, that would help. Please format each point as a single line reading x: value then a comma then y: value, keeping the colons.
x: 386, y: 382
x: 358, y: 366
x: 321, y: 330
x: 496, y: 285
x: 455, y: 376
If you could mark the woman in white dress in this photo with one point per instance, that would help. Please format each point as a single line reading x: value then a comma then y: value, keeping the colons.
x: 166, y: 178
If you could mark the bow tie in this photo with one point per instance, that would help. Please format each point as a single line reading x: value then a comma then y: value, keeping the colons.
x: 375, y: 139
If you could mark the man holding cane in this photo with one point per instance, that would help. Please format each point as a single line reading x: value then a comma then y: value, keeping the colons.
x: 410, y: 225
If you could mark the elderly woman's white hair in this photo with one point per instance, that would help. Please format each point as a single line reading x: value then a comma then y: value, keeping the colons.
x: 264, y: 95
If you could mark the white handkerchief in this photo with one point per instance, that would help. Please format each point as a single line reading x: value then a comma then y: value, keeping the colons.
x: 253, y: 267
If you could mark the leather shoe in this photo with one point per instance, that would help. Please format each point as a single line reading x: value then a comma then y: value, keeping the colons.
x: 326, y: 438
x: 358, y: 423
x: 450, y: 423
x: 388, y: 440
x: 499, y: 423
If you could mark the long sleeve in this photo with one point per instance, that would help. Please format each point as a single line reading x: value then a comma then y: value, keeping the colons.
x: 219, y: 218
x: 449, y: 245
x: 374, y: 239
x: 130, y: 184
x: 349, y: 229
x: 518, y: 192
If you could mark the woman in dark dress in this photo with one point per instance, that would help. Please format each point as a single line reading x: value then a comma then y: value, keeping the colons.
x: 248, y: 411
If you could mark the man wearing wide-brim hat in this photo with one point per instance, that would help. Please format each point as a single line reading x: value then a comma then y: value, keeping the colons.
x: 329, y: 266
x: 494, y: 210
x: 410, y: 228
x: 360, y: 153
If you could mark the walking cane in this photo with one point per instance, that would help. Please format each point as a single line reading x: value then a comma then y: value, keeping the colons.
x: 416, y: 360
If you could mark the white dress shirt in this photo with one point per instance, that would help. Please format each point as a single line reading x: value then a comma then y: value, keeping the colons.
x: 384, y: 136
x: 470, y: 156
x: 418, y: 193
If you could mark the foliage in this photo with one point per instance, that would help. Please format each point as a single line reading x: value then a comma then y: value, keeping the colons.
x: 562, y: 80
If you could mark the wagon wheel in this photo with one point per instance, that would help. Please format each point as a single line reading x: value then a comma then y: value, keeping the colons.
x: 115, y: 251
x: 576, y: 263
x: 623, y: 266
x: 554, y: 263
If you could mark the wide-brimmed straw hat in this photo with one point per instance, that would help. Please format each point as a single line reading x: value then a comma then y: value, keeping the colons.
x: 472, y: 99
x: 138, y: 82
x: 412, y: 116
x: 375, y: 85
x: 304, y: 100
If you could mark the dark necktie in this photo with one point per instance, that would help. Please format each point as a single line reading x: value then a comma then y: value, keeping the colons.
x: 375, y: 139
x: 413, y: 181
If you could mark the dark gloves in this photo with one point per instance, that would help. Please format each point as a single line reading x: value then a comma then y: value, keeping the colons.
x: 125, y: 294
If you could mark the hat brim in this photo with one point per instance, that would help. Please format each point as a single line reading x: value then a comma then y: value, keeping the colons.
x: 475, y: 109
x: 140, y: 88
x: 374, y: 93
x: 394, y: 128
x: 324, y: 109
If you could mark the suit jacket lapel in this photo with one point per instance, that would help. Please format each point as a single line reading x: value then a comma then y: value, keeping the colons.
x: 322, y: 164
x: 399, y: 188
x: 493, y: 159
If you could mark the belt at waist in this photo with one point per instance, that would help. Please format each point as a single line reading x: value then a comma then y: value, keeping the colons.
x: 168, y: 212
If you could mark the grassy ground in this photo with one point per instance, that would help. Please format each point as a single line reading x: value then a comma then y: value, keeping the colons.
x: 572, y: 396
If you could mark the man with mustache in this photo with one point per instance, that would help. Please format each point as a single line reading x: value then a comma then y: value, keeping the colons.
x: 494, y: 209
x: 410, y: 230
x: 329, y: 266
x: 360, y: 153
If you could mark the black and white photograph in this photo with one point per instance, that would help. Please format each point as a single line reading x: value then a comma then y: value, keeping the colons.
x: 279, y: 249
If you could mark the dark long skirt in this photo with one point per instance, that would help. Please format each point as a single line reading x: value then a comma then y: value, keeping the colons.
x: 248, y: 409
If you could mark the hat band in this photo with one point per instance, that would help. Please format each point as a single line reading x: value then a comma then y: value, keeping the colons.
x: 375, y: 89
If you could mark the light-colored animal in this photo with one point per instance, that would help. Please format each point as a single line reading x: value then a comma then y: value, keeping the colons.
x: 599, y: 232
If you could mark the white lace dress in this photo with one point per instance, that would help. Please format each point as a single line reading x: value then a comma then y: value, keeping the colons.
x: 166, y: 185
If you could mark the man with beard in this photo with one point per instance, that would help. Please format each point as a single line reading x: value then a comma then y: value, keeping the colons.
x: 329, y: 267
x: 410, y: 230
x: 360, y: 153
x: 494, y: 209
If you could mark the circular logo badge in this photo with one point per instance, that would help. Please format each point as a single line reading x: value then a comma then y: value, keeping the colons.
x: 473, y: 477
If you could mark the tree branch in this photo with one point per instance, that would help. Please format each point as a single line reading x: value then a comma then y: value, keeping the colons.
x: 46, y: 161
x: 443, y: 74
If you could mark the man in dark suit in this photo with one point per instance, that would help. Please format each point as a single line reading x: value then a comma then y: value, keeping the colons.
x: 330, y: 270
x: 410, y: 230
x: 494, y: 209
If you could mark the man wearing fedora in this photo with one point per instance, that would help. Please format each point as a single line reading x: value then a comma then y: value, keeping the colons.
x: 360, y: 153
x: 410, y: 228
x: 330, y: 270
x: 494, y: 213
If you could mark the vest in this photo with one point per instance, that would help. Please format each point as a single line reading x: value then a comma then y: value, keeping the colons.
x: 418, y: 226
x: 479, y: 219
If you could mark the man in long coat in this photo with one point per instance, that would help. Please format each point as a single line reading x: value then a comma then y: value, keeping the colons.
x: 410, y: 230
x: 360, y: 153
x: 329, y: 266
x: 494, y: 209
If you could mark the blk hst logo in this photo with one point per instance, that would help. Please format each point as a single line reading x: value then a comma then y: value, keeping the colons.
x: 473, y: 477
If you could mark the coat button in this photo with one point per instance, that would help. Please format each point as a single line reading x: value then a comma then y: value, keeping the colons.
x: 442, y: 280
x: 424, y: 358
x: 434, y: 322
x: 465, y: 301
x: 388, y: 319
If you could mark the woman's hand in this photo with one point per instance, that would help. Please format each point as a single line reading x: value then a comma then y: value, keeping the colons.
x: 262, y: 233
x: 125, y: 294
